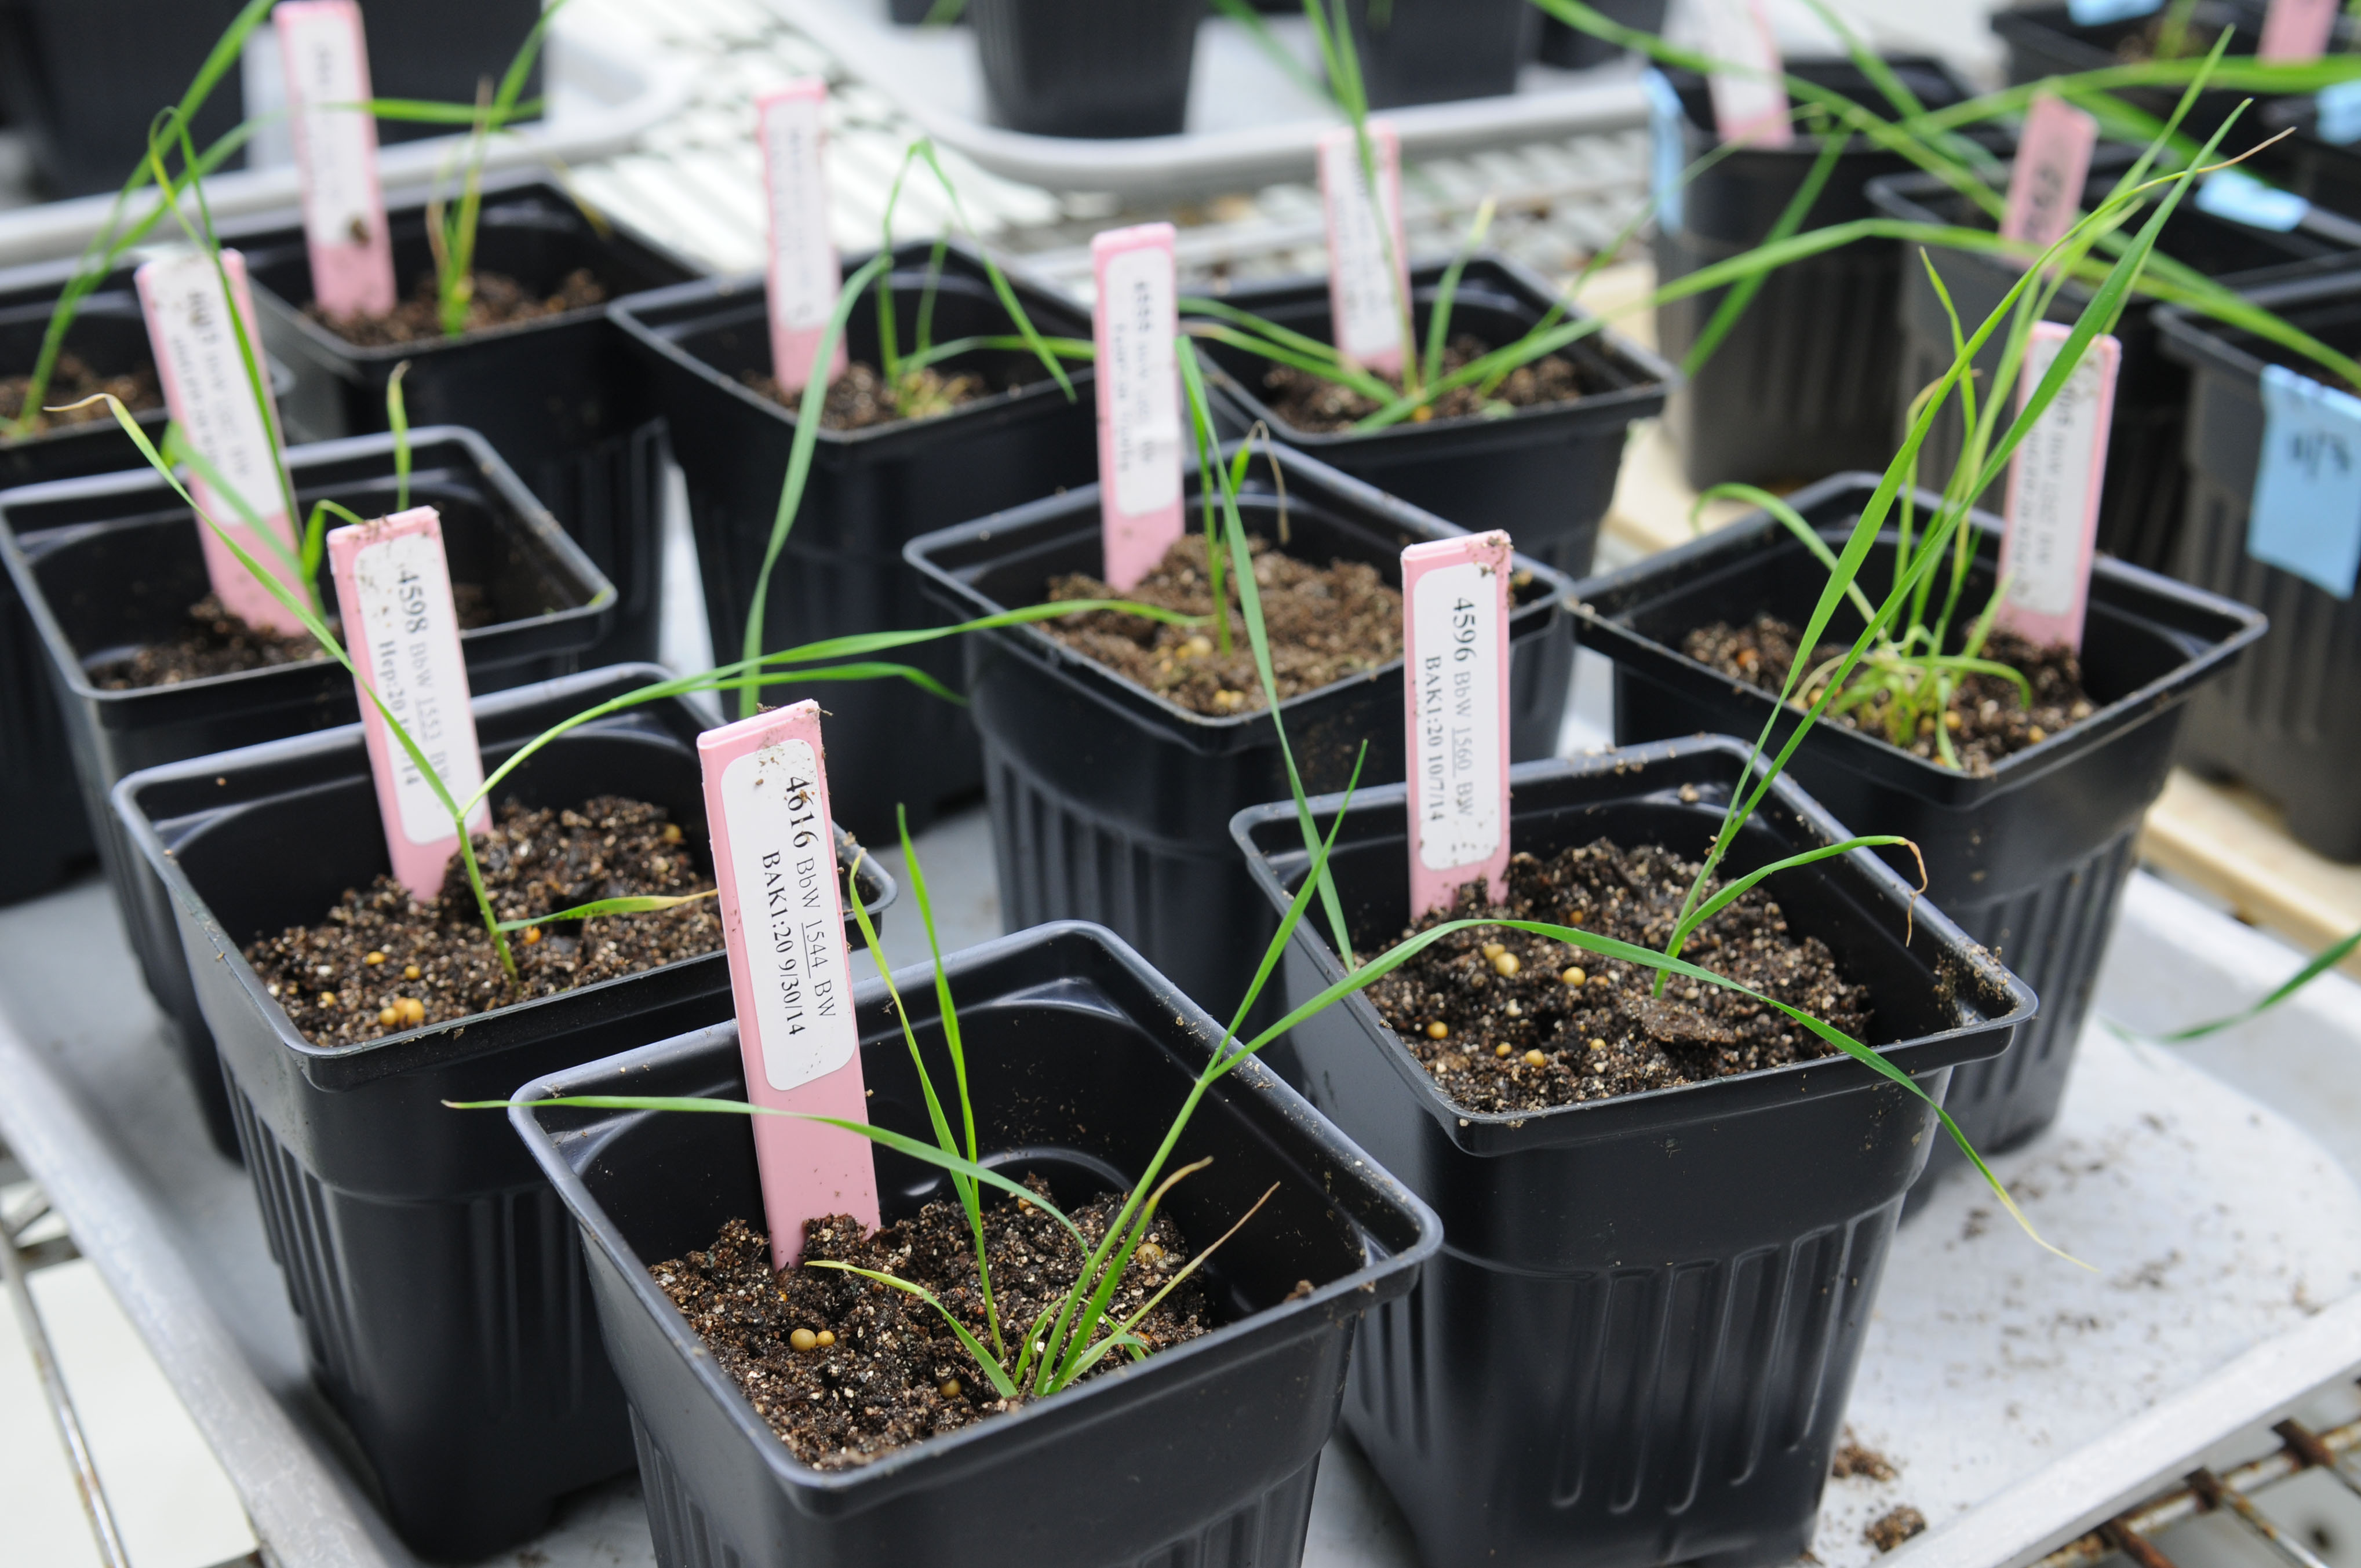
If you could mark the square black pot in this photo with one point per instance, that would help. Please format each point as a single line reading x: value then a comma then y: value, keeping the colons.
x: 1637, y: 1342
x: 1081, y: 1054
x: 1437, y: 52
x: 1544, y: 473
x: 1569, y: 48
x: 2045, y: 41
x: 2140, y: 502
x: 869, y: 493
x: 1112, y: 804
x: 108, y: 565
x: 2029, y: 860
x: 441, y: 1290
x: 2284, y: 722
x: 558, y: 398
x: 1801, y: 386
x: 1082, y: 68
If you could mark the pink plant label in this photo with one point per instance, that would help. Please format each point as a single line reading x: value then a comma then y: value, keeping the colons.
x: 326, y: 59
x: 2296, y: 32
x: 792, y: 126
x: 1139, y: 399
x: 783, y: 916
x: 2053, y: 491
x: 1368, y: 272
x: 1455, y: 690
x: 1749, y: 101
x: 207, y: 392
x: 2053, y: 162
x: 393, y: 590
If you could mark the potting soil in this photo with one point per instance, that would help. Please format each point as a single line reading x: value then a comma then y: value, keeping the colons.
x: 1311, y: 403
x: 499, y: 301
x: 71, y: 380
x: 382, y: 962
x: 1325, y: 623
x: 862, y: 397
x: 1988, y: 718
x: 1506, y: 1020
x: 216, y: 643
x: 879, y: 1368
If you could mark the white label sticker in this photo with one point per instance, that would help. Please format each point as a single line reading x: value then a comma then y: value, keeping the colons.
x: 1455, y: 613
x: 325, y: 64
x: 784, y: 858
x: 214, y: 404
x: 803, y: 256
x: 1143, y: 381
x: 1363, y: 252
x: 416, y: 664
x: 1750, y: 101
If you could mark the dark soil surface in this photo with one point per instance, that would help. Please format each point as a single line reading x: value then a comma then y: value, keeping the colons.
x: 382, y: 962
x: 1510, y: 1022
x: 1309, y: 403
x: 2139, y: 47
x: 215, y: 643
x: 500, y: 300
x: 883, y: 1370
x: 862, y: 398
x: 1895, y: 1527
x: 1325, y: 623
x: 70, y: 382
x: 1988, y: 718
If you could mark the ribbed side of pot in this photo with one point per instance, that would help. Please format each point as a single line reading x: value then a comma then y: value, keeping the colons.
x: 2283, y: 719
x: 47, y: 827
x: 2053, y: 936
x: 1192, y: 912
x: 1267, y: 1533
x: 457, y: 1339
x: 2147, y: 484
x: 1801, y: 385
x: 1656, y: 1413
x: 610, y: 496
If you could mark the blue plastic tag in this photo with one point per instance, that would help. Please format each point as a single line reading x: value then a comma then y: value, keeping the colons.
x: 2306, y: 514
x: 2099, y: 13
x: 1668, y: 148
x: 2336, y: 113
x: 2235, y: 194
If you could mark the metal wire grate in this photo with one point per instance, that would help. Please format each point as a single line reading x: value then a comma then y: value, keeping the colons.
x: 2229, y: 1494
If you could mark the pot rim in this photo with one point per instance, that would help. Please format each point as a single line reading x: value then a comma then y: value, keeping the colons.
x: 844, y: 1491
x: 1304, y: 472
x: 1924, y: 776
x: 739, y: 287
x: 1490, y: 1133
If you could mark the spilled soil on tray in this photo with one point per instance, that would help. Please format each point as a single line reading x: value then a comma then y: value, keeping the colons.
x: 1308, y: 402
x: 1326, y: 624
x: 1988, y: 718
x: 71, y: 380
x: 213, y: 642
x: 1508, y: 1022
x: 846, y: 1369
x: 382, y: 962
x: 500, y: 300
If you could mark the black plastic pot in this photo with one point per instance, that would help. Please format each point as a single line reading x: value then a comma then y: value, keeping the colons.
x: 2327, y: 173
x: 1203, y: 1454
x: 1082, y: 68
x: 2045, y: 41
x: 2029, y: 860
x: 1545, y: 474
x: 870, y: 492
x: 1636, y: 1345
x: 1436, y: 51
x: 440, y: 1287
x: 1801, y: 386
x: 38, y: 798
x: 2285, y: 721
x: 85, y: 77
x: 559, y: 399
x: 1112, y: 804
x: 2140, y: 504
x: 109, y: 565
x: 1570, y: 48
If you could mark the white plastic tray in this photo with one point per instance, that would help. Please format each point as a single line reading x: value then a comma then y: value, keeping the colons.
x: 1249, y: 124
